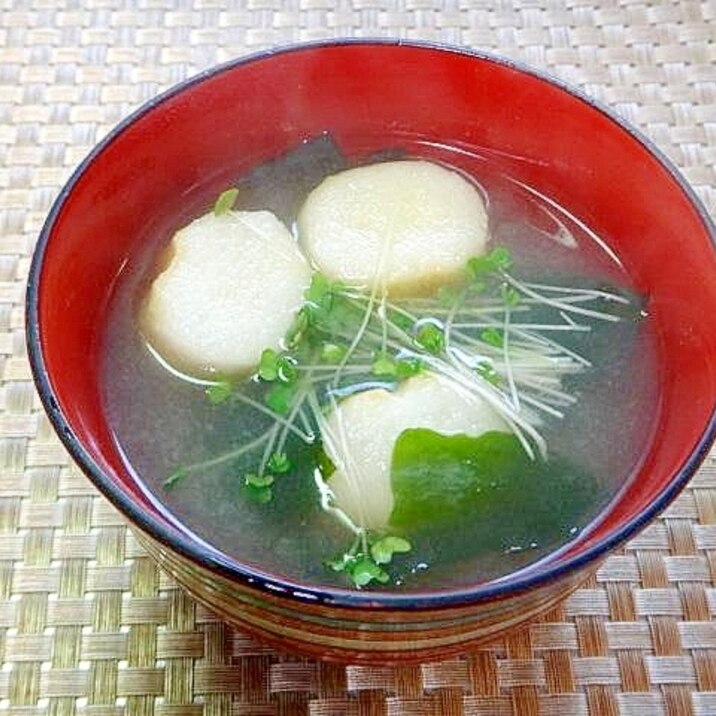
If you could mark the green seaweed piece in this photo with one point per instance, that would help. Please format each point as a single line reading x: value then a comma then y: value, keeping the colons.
x: 487, y: 485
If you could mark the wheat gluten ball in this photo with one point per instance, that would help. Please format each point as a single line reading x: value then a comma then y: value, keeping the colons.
x: 231, y: 288
x: 406, y: 227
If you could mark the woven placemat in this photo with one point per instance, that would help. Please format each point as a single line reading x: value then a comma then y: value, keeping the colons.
x: 88, y: 625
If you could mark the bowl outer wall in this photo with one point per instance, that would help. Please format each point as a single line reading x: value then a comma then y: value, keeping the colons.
x: 208, y: 130
x: 358, y: 636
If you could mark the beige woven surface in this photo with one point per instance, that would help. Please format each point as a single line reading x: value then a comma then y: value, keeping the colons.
x: 87, y: 623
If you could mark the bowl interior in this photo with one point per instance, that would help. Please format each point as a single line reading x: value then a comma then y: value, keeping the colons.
x: 172, y: 158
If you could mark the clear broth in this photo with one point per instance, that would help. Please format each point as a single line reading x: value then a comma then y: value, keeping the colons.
x: 160, y: 421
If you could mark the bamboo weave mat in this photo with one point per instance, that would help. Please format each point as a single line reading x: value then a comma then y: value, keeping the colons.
x: 88, y: 625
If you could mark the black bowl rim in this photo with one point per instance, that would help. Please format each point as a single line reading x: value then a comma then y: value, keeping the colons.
x: 271, y: 584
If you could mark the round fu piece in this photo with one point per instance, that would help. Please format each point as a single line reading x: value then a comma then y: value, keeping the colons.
x: 404, y: 227
x: 363, y: 429
x: 231, y: 288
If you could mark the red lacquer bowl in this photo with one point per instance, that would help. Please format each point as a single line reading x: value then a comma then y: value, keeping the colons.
x: 188, y: 144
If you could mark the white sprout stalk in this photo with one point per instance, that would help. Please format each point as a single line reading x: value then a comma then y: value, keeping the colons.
x: 305, y: 421
x: 450, y: 319
x: 326, y: 498
x: 350, y: 368
x: 589, y: 293
x: 572, y: 327
x: 540, y: 405
x: 561, y: 305
x: 382, y: 309
x: 526, y: 445
x: 357, y: 338
x: 380, y: 272
x: 325, y: 492
x: 556, y: 397
x: 567, y: 318
x: 275, y: 416
x: 352, y: 471
x: 478, y: 311
x: 268, y: 449
x: 508, y: 363
x: 232, y: 454
x: 535, y: 338
x: 291, y: 417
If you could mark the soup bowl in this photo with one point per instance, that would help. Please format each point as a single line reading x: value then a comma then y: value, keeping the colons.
x: 162, y: 164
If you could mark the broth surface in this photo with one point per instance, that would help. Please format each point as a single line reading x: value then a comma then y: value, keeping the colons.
x: 161, y: 421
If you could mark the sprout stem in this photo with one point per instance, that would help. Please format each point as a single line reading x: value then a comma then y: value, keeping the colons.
x: 524, y: 288
x: 506, y: 359
x: 589, y: 293
x: 540, y: 405
x: 343, y: 461
x: 268, y: 449
x: 274, y: 415
x: 572, y: 327
x: 232, y: 454
x: 357, y: 338
x: 291, y: 417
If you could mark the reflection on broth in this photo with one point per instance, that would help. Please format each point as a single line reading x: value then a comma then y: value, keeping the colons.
x: 432, y: 379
